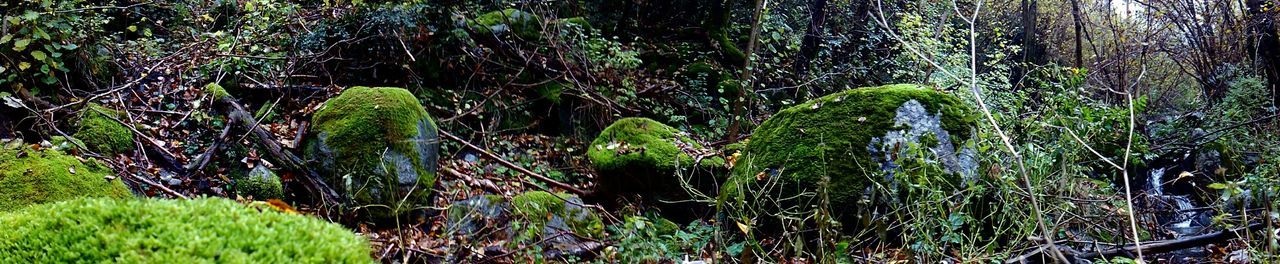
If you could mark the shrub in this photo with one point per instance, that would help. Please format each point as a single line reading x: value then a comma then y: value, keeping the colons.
x: 34, y: 177
x: 172, y: 231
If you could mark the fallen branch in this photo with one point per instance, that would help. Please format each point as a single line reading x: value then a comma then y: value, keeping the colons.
x: 1175, y: 244
x: 312, y: 180
x: 513, y: 166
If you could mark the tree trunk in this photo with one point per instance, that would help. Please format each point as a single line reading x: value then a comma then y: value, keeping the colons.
x: 1079, y: 24
x: 809, y: 45
x: 744, y: 93
x: 1267, y: 58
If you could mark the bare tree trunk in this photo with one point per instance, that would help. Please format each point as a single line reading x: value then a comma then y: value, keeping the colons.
x: 809, y: 45
x: 1079, y: 24
x: 744, y: 93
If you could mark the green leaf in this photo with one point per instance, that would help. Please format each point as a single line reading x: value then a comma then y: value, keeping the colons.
x: 21, y: 44
x: 132, y: 28
x: 1218, y: 186
x: 30, y: 15
x: 39, y: 55
x: 6, y: 38
x: 24, y: 65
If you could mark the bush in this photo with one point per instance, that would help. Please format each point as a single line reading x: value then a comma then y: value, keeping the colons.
x: 37, y: 42
x: 378, y: 147
x: 172, y: 231
x: 30, y: 177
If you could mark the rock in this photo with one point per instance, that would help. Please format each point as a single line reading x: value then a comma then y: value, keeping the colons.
x: 540, y: 217
x: 509, y: 21
x: 260, y: 183
x: 203, y: 230
x: 640, y: 155
x: 30, y: 177
x: 378, y: 148
x: 101, y: 133
x: 844, y: 141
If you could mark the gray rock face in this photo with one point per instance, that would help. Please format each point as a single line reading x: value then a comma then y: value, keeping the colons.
x: 917, y: 123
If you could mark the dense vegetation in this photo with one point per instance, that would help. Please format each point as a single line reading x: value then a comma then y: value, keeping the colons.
x: 627, y: 131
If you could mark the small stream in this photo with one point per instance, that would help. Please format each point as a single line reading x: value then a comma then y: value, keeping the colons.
x: 1176, y: 213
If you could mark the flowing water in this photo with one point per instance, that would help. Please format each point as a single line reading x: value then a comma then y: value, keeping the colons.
x: 1179, y: 216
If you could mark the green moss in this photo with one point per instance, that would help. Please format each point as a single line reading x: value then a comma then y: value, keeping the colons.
x: 538, y: 207
x: 100, y: 132
x: 260, y: 183
x: 826, y: 139
x: 701, y: 76
x: 34, y: 177
x: 642, y: 143
x: 523, y: 24
x: 216, y: 91
x: 578, y: 22
x: 551, y: 91
x: 378, y: 147
x: 205, y: 230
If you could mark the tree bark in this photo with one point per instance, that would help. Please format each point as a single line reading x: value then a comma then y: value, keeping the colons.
x: 1079, y: 30
x: 812, y: 36
x: 744, y: 93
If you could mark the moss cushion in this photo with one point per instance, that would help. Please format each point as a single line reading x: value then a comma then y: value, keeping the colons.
x: 101, y: 133
x: 206, y: 230
x: 33, y: 177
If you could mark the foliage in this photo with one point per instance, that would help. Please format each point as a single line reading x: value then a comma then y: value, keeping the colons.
x: 41, y: 38
x: 652, y: 239
x: 30, y: 176
x: 152, y: 230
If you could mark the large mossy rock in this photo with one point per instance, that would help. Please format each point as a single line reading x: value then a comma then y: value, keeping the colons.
x: 205, y: 230
x: 850, y: 142
x: 30, y: 177
x: 640, y: 155
x: 378, y: 148
x: 508, y: 21
x: 99, y: 131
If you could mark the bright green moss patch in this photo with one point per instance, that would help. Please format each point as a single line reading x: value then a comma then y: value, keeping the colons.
x: 539, y: 207
x: 216, y: 91
x: 100, y: 132
x: 34, y: 177
x: 523, y: 24
x: 551, y: 91
x: 260, y: 183
x: 206, y: 230
x: 827, y: 139
x: 378, y: 147
x: 643, y: 143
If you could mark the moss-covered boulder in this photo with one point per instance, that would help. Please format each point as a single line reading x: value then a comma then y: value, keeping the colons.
x: 640, y: 155
x: 850, y: 143
x: 260, y: 183
x: 205, y: 230
x: 98, y: 130
x: 30, y: 176
x: 556, y: 213
x: 378, y: 148
x: 508, y: 21
x: 533, y: 217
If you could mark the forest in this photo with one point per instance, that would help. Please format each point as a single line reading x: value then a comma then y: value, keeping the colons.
x: 639, y: 131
